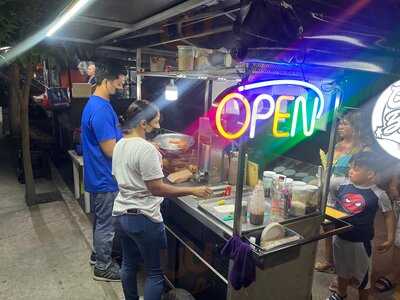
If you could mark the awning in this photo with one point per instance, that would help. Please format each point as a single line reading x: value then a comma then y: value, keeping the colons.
x: 342, y: 30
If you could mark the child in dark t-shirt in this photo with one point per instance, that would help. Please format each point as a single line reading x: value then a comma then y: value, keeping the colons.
x: 360, y: 197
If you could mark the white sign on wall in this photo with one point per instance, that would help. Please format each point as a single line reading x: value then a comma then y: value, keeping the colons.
x: 386, y: 120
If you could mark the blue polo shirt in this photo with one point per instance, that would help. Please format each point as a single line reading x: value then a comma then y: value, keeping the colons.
x: 99, y: 123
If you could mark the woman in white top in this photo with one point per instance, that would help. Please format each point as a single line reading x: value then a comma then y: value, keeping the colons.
x: 137, y: 168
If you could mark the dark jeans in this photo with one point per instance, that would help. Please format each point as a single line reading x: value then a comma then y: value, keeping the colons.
x: 103, y: 230
x: 141, y: 238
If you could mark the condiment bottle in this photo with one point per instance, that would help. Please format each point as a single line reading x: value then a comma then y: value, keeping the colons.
x: 256, y: 207
x: 233, y: 167
x: 225, y: 167
x: 278, y: 199
x: 268, y: 182
x: 288, y: 196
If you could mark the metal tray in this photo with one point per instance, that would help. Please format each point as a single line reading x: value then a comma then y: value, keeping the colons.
x: 164, y: 142
x: 208, y: 206
x: 289, y: 251
x: 276, y: 255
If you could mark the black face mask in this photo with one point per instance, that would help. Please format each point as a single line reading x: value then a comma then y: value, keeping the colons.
x: 151, y: 135
x: 119, y: 92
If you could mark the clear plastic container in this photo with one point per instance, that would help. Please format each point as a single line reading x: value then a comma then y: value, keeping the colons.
x: 268, y: 182
x: 157, y: 63
x: 312, y: 196
x: 298, y: 204
x: 186, y: 56
x: 201, y: 58
x: 256, y: 207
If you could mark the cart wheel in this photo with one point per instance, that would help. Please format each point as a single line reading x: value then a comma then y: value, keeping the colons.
x: 178, y: 294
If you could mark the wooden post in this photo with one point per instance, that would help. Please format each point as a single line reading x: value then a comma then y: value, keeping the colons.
x: 13, y: 103
x: 23, y: 96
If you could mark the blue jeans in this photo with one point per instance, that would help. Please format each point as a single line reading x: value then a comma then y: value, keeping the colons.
x: 103, y: 230
x: 141, y: 238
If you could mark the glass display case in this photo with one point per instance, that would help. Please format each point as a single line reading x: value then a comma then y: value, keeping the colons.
x: 271, y: 123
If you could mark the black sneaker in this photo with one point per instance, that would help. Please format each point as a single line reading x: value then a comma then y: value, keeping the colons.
x: 336, y: 296
x: 92, y: 259
x: 109, y: 274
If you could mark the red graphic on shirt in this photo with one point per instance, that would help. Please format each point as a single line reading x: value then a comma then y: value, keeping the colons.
x: 353, y: 203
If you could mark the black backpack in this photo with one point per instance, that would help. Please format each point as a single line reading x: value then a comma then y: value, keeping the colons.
x: 265, y: 23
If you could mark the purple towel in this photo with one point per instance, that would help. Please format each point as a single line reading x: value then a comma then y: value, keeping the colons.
x: 243, y: 272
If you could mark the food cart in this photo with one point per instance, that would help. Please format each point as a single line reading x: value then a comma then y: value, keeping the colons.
x: 281, y: 106
x: 242, y: 133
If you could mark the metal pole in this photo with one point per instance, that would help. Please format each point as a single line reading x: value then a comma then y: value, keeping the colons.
x: 331, y: 151
x: 207, y: 96
x: 69, y: 80
x: 237, y: 220
x: 193, y: 36
x: 46, y: 78
x: 138, y: 77
x: 101, y: 22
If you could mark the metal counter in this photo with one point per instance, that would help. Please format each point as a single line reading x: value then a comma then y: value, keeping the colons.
x: 190, y: 205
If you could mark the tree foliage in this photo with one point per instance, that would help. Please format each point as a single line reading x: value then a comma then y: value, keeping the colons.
x: 20, y: 21
x: 20, y: 18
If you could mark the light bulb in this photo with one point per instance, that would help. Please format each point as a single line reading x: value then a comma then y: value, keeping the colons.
x: 171, y: 91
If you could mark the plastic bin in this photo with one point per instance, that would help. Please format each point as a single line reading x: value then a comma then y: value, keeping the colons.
x: 186, y: 56
x: 157, y: 63
x: 201, y: 60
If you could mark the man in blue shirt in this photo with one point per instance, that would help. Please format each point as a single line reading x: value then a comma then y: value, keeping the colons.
x: 100, y: 132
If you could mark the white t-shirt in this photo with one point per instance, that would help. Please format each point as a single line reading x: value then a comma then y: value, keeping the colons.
x: 135, y: 161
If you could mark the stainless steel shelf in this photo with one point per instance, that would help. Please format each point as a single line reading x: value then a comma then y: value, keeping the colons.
x: 231, y: 74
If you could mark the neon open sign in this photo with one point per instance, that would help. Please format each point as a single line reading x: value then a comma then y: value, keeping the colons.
x: 253, y: 114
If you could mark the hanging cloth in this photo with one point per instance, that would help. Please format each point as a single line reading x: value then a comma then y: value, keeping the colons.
x: 243, y: 272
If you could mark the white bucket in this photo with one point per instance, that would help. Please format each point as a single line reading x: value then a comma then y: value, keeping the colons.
x: 186, y: 56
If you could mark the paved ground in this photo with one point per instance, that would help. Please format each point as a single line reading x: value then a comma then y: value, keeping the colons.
x: 43, y: 249
x: 381, y: 263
